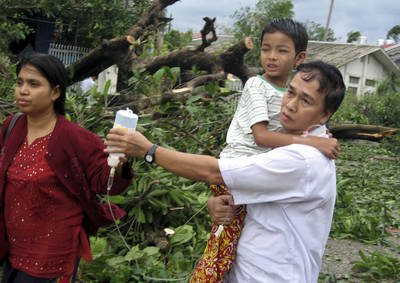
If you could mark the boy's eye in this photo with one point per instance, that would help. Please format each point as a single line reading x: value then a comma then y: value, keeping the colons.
x: 283, y: 51
x: 306, y: 101
x: 290, y: 93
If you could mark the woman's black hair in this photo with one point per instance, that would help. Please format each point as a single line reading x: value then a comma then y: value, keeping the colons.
x: 54, y: 71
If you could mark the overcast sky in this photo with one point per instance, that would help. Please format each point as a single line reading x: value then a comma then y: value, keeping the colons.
x: 373, y: 18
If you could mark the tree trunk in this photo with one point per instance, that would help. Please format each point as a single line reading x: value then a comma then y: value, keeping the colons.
x: 358, y: 131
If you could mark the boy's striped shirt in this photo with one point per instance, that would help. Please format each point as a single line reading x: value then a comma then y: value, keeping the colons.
x: 260, y: 102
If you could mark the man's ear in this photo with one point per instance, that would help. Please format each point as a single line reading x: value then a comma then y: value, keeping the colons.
x: 325, y: 117
x: 300, y: 57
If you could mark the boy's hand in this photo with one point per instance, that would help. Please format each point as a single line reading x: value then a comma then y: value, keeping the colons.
x: 222, y: 209
x: 329, y: 147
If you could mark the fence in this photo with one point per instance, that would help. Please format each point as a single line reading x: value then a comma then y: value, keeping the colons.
x: 67, y: 53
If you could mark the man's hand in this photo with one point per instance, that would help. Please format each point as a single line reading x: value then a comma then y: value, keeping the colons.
x: 133, y: 144
x: 222, y: 209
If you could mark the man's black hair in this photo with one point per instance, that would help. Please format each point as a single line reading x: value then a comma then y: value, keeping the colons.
x: 294, y: 30
x: 330, y: 82
x: 53, y: 70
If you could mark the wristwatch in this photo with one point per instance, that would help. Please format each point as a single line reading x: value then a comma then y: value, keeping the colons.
x: 149, y: 156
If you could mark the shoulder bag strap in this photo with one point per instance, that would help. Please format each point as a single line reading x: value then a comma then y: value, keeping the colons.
x: 10, y: 127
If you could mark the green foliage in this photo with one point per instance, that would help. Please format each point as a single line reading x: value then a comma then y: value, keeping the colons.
x: 316, y: 31
x: 198, y: 126
x: 250, y: 21
x: 353, y: 36
x: 142, y: 82
x: 88, y: 109
x: 86, y: 22
x: 175, y: 40
x: 367, y: 197
x: 96, y: 20
x: 7, y: 84
x: 377, y: 267
x: 383, y: 107
x: 349, y: 112
x: 328, y: 278
x: 394, y: 33
x: 379, y: 108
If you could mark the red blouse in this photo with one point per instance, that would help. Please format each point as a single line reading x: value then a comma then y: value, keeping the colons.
x: 43, y: 220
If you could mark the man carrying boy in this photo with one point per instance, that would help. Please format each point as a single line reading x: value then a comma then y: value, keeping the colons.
x: 255, y: 128
x: 289, y: 191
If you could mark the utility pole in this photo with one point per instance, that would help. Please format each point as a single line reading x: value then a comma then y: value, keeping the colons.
x: 328, y: 20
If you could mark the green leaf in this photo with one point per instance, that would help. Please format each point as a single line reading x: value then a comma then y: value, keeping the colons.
x: 98, y: 246
x: 117, y: 199
x: 183, y: 234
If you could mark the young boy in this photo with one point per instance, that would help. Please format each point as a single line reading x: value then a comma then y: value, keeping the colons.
x: 255, y: 128
x: 289, y: 192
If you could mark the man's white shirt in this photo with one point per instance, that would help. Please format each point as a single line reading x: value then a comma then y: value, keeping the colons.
x: 290, y: 195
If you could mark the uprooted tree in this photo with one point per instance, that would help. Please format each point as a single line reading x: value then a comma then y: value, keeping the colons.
x: 122, y: 51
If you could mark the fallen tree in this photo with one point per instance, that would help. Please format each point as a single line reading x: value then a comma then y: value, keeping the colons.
x: 360, y: 131
x: 122, y: 52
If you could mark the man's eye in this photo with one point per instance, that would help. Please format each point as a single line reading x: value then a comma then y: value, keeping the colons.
x: 306, y: 101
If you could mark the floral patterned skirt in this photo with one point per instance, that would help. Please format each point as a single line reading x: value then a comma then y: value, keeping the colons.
x: 220, y: 252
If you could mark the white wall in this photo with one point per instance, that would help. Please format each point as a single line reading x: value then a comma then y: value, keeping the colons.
x: 364, y: 68
x: 111, y: 73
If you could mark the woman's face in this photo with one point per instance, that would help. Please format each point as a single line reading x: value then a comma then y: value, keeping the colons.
x: 33, y: 93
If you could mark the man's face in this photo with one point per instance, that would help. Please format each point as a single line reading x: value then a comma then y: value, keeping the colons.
x: 302, y: 105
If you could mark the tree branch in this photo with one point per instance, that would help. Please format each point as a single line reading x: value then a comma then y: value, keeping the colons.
x: 208, y: 27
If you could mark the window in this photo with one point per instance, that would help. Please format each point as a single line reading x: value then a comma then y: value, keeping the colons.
x: 354, y: 80
x: 369, y: 82
x: 352, y: 89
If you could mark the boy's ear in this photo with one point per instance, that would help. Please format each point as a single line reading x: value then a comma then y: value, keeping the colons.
x: 300, y: 57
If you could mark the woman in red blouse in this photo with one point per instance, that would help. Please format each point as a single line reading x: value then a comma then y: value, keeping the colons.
x: 50, y: 172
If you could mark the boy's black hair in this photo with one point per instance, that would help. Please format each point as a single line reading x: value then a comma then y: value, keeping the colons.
x: 53, y: 70
x: 330, y: 82
x: 294, y: 30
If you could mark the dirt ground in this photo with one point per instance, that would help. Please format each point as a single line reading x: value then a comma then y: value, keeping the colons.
x: 339, y: 254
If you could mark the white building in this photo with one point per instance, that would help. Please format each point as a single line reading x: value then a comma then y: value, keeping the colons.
x: 362, y: 66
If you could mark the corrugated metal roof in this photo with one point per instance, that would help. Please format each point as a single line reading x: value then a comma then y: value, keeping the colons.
x: 337, y: 54
x: 393, y: 51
